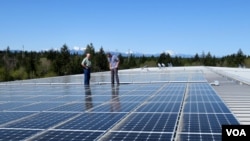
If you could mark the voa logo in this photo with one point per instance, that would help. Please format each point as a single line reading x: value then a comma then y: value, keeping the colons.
x: 236, y: 132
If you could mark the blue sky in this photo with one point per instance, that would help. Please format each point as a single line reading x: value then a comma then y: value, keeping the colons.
x: 220, y: 27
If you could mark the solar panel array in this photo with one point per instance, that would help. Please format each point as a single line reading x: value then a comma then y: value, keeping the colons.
x: 185, y: 108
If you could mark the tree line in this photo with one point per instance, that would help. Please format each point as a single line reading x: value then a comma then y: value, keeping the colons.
x: 20, y: 65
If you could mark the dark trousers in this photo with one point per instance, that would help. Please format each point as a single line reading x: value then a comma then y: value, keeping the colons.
x: 86, y: 76
x: 114, y: 75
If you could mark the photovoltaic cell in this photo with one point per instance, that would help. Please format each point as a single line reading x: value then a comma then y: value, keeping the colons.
x: 155, y: 122
x: 73, y: 107
x: 140, y: 136
x: 101, y: 98
x: 171, y: 93
x: 11, y: 116
x: 11, y: 105
x: 5, y: 97
x: 41, y: 98
x: 206, y: 123
x: 41, y: 106
x: 129, y: 98
x: 176, y: 87
x: 93, y: 121
x: 167, y: 98
x: 16, y: 135
x: 203, y: 97
x: 68, y: 135
x: 116, y: 107
x: 160, y: 107
x: 41, y: 121
x: 72, y: 98
x: 206, y: 107
x: 141, y: 92
x: 199, y: 137
x: 146, y: 87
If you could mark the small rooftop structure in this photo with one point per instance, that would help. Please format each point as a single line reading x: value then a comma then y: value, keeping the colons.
x: 215, y: 83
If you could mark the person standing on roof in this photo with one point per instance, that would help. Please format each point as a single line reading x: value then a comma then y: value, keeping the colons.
x: 113, y: 66
x: 86, y: 64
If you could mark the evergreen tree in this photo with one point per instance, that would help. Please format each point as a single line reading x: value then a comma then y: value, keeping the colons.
x: 90, y: 49
x: 31, y: 64
x: 208, y: 59
x: 143, y: 59
x: 240, y: 57
x: 203, y: 56
x: 61, y: 64
x: 75, y: 66
x: 51, y: 54
x: 164, y: 58
x: 132, y: 61
x: 101, y: 60
x: 196, y: 58
x: 65, y: 56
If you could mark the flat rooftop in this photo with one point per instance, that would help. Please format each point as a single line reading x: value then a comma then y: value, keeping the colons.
x: 168, y: 103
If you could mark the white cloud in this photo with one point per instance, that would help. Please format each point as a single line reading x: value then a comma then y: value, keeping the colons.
x: 129, y: 52
x: 170, y: 52
x: 76, y: 48
x: 79, y: 48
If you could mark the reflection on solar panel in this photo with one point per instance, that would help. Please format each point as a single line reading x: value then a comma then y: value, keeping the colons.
x: 184, y: 108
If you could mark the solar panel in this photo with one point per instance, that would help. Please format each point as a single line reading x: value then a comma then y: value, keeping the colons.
x: 160, y: 107
x: 175, y: 106
x: 206, y: 123
x: 11, y: 105
x: 67, y: 98
x: 73, y: 107
x: 12, y: 116
x: 145, y: 136
x: 128, y: 99
x: 203, y: 114
x: 72, y: 135
x: 116, y: 107
x: 206, y: 107
x: 167, y: 98
x: 16, y: 134
x: 203, y: 98
x: 40, y: 121
x: 100, y: 98
x: 41, y: 98
x: 199, y: 137
x: 93, y: 121
x: 7, y: 97
x: 40, y: 106
x: 149, y: 122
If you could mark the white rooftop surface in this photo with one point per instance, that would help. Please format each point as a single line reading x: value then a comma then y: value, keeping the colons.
x: 234, y: 89
x: 240, y: 74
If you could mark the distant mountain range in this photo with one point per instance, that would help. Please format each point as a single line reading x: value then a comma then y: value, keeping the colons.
x: 137, y: 54
x: 126, y: 54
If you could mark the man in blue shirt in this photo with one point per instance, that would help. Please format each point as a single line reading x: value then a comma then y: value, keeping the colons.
x: 113, y: 66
